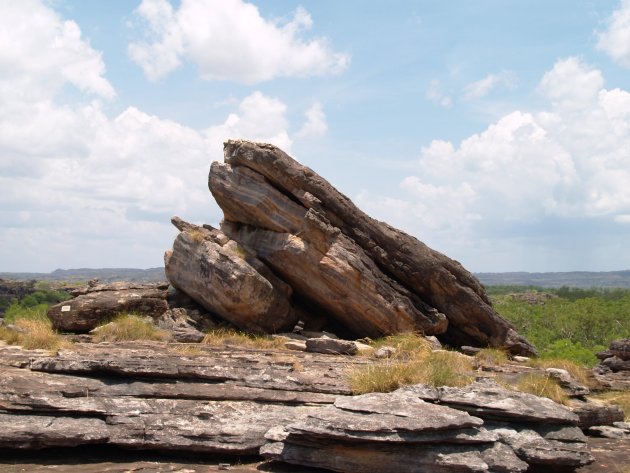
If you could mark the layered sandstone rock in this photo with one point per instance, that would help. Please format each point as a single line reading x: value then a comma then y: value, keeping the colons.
x: 291, y: 247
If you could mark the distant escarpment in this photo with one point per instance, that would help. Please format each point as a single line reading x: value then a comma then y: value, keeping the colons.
x: 291, y: 248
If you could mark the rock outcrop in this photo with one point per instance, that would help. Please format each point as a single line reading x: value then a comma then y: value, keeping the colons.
x: 291, y: 247
x: 482, y: 427
x: 613, y: 370
x: 291, y: 406
x: 96, y: 303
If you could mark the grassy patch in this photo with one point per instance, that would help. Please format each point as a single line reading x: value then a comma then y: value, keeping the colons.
x: 576, y: 370
x: 33, y: 333
x: 225, y: 336
x: 440, y: 368
x: 408, y: 345
x: 492, y: 357
x: 129, y: 327
x: 619, y: 398
x: 542, y: 385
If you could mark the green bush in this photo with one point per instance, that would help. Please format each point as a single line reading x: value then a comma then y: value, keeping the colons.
x: 574, y: 329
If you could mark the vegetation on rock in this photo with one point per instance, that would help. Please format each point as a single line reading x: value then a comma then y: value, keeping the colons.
x: 413, y: 362
x: 129, y: 327
x: 31, y: 329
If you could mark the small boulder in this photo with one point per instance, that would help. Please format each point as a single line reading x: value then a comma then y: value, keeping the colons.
x: 331, y: 346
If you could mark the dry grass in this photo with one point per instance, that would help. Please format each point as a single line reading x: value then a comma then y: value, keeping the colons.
x: 414, y: 366
x: 33, y: 334
x: 129, y: 327
x: 187, y: 350
x: 408, y: 345
x: 492, y: 357
x: 577, y: 371
x: 542, y: 385
x: 198, y: 235
x: 222, y: 336
x: 619, y: 398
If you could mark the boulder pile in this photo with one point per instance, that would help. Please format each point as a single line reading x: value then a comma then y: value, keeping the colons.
x: 613, y: 370
x: 291, y: 248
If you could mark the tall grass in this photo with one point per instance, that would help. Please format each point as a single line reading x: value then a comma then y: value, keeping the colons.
x: 543, y: 385
x: 32, y: 330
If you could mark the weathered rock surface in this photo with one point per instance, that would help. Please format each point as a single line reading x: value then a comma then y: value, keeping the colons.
x: 336, y: 262
x: 145, y: 396
x: 218, y: 273
x: 95, y: 304
x: 375, y: 431
x: 613, y: 370
x: 621, y: 348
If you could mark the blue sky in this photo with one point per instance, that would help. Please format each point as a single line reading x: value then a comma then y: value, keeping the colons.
x: 496, y: 131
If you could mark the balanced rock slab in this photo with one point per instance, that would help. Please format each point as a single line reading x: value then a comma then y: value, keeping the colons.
x: 340, y: 267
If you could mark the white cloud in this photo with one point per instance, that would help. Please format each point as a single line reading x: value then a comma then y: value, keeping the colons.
x: 482, y: 87
x: 434, y: 94
x: 230, y: 40
x: 40, y: 52
x: 82, y: 189
x: 615, y: 40
x: 315, y: 125
x: 565, y: 163
x: 259, y: 118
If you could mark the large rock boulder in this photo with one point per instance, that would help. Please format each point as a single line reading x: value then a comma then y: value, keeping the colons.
x: 361, y: 274
x: 219, y: 273
x: 96, y: 303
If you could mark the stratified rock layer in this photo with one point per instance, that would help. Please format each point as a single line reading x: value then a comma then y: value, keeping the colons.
x: 355, y: 272
x: 509, y: 432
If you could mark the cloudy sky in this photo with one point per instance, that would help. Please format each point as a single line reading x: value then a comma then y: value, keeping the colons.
x: 496, y: 131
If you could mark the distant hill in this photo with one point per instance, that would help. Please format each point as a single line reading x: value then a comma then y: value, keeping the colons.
x: 85, y: 274
x: 581, y: 279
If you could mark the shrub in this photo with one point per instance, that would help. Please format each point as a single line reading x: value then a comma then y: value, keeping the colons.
x: 129, y: 327
x: 542, y: 385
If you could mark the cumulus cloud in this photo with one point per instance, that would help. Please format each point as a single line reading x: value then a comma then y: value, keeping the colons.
x: 615, y: 39
x: 315, y: 125
x: 434, y: 94
x: 482, y: 87
x: 230, y: 40
x: 561, y: 164
x: 80, y: 188
x: 40, y: 53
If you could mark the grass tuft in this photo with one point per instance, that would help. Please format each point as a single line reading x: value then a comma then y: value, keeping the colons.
x: 225, y: 336
x: 492, y: 357
x: 439, y: 368
x: 35, y: 333
x: 129, y: 327
x: 408, y: 345
x: 542, y: 385
x: 576, y: 370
